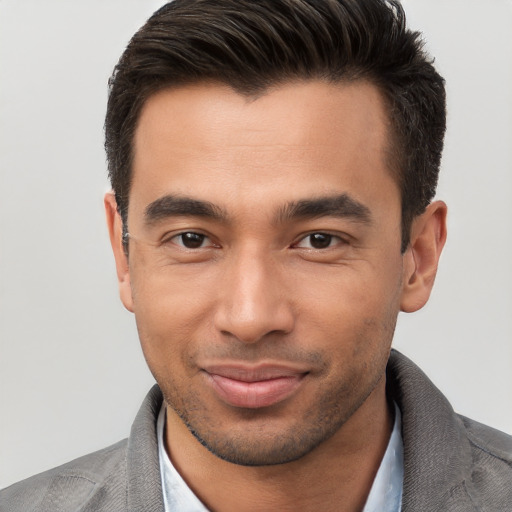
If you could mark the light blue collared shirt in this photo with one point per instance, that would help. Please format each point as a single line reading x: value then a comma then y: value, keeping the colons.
x: 385, y: 494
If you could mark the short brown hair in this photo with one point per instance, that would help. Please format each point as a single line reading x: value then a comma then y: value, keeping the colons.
x: 253, y: 44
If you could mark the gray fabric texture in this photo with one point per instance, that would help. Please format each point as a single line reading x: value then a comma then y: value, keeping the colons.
x: 451, y: 463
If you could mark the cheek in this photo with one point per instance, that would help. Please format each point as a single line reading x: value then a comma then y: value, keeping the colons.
x: 170, y: 309
x: 356, y: 308
x: 166, y: 292
x: 357, y: 290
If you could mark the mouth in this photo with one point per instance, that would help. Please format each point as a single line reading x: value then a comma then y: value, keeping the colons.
x: 253, y: 387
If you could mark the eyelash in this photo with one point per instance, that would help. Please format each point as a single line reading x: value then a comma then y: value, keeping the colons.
x: 329, y: 237
x: 171, y: 239
x: 322, y: 237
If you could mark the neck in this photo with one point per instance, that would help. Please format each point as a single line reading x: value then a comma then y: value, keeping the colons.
x: 339, y: 470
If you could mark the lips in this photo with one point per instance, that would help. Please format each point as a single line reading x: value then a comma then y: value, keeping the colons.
x: 256, y: 387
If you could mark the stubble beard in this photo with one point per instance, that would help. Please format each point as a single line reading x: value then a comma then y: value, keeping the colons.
x: 250, y: 443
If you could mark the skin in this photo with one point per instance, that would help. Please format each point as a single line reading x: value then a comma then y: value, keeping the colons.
x: 265, y: 284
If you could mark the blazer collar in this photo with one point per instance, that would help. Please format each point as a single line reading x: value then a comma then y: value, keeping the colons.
x: 144, y: 487
x: 437, y: 453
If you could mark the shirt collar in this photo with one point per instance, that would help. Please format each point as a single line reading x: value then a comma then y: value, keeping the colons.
x: 385, y: 494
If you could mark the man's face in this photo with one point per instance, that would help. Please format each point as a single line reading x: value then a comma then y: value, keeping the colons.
x: 265, y: 271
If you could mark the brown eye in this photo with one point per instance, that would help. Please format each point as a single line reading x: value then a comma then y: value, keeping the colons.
x: 190, y: 240
x: 320, y: 240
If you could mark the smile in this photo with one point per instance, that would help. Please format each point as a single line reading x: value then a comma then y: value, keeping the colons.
x: 253, y: 388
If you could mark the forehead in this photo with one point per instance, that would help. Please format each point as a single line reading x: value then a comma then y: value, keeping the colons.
x: 311, y: 138
x: 283, y: 110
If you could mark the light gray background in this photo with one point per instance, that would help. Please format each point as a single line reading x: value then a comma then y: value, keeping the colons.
x: 72, y: 374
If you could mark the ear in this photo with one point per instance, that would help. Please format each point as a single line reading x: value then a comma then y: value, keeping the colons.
x: 115, y: 230
x: 428, y: 236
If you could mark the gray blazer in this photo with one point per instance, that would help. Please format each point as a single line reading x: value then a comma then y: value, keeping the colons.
x: 452, y: 464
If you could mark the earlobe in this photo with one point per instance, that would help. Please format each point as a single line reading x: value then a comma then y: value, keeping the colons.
x: 115, y: 230
x: 428, y: 236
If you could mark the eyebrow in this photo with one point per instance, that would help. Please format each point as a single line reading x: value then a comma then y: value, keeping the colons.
x: 342, y: 206
x: 172, y: 206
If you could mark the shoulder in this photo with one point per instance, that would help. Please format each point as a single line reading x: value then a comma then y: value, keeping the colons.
x: 78, y: 480
x: 491, y: 448
x: 491, y: 476
x: 489, y: 440
x: 450, y: 461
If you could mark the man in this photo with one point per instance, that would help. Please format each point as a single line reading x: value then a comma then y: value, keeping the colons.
x: 273, y: 166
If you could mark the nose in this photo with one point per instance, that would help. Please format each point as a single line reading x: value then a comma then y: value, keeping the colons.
x: 254, y: 302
